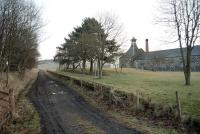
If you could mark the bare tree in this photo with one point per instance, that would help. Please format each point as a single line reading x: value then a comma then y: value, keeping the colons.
x: 19, y: 25
x: 184, y: 16
x: 112, y: 26
x: 113, y: 30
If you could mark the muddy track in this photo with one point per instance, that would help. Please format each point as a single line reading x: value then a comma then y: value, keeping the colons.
x: 59, y: 106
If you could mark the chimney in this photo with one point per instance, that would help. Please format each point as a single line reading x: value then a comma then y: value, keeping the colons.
x: 147, y: 45
x: 133, y: 45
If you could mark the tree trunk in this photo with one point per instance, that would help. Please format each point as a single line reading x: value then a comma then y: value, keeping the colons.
x: 121, y: 68
x: 83, y: 66
x: 187, y: 71
x: 68, y: 66
x: 59, y: 66
x: 91, y: 66
x: 99, y: 69
x: 115, y: 68
x: 73, y: 66
x: 187, y: 78
x: 100, y: 73
x: 8, y: 71
x: 7, y: 76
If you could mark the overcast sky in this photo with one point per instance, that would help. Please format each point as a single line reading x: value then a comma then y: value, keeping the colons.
x: 137, y: 17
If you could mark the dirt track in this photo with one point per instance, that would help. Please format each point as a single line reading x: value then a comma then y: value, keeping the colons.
x: 60, y: 106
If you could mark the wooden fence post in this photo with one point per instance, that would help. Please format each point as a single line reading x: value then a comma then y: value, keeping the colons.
x: 138, y: 101
x: 12, y: 102
x: 81, y: 83
x: 178, y: 104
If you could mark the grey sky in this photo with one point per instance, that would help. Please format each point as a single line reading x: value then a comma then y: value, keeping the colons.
x: 137, y: 16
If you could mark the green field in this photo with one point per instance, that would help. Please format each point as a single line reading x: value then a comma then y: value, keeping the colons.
x: 159, y: 86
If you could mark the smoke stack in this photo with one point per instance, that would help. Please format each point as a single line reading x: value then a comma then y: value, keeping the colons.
x: 147, y: 45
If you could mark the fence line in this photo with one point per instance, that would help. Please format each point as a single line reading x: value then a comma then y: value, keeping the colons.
x: 178, y: 105
x: 8, y: 112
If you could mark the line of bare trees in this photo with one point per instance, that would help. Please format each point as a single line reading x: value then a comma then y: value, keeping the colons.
x: 19, y: 27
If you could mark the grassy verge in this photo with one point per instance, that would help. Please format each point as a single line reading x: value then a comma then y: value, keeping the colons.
x: 159, y: 86
x: 85, y: 126
x: 140, y: 123
x: 27, y: 121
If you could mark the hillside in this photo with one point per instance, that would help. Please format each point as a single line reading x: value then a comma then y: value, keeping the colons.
x: 47, y: 65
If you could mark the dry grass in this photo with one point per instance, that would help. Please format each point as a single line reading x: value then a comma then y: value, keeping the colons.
x: 15, y: 82
x: 28, y: 120
x: 20, y: 90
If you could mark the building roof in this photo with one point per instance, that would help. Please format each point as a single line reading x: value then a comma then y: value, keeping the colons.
x: 139, y: 54
x: 129, y: 52
x: 170, y: 53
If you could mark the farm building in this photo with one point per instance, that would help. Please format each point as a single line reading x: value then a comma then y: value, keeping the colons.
x: 163, y: 60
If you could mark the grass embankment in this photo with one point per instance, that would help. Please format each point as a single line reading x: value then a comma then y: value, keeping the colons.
x: 27, y: 120
x: 142, y: 124
x: 159, y: 86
